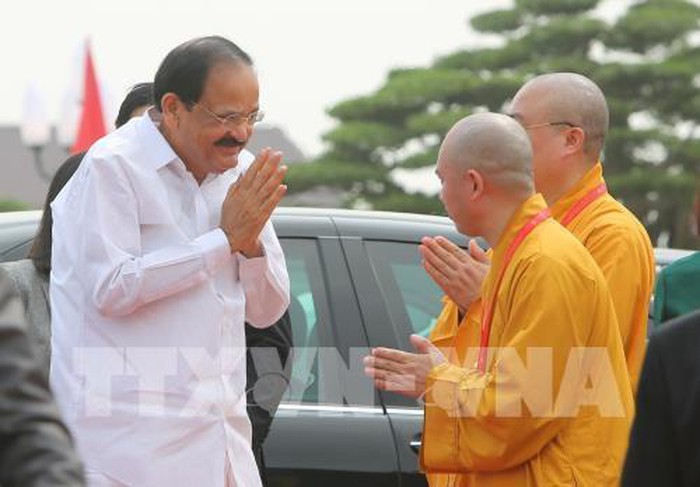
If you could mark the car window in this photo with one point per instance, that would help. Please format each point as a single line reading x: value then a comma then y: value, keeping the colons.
x: 412, y: 298
x: 308, y: 311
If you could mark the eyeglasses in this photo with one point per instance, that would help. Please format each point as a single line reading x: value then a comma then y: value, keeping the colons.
x: 548, y: 124
x: 235, y: 119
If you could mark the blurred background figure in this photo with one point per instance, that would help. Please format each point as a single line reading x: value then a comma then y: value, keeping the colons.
x: 136, y: 102
x: 35, y: 446
x: 664, y: 445
x: 678, y: 285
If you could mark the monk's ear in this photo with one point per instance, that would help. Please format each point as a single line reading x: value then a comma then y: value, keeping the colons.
x: 475, y: 183
x: 575, y: 139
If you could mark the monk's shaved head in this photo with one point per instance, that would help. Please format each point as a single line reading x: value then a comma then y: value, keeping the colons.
x: 573, y: 98
x: 494, y: 144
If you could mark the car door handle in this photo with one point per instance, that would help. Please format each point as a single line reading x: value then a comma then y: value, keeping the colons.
x: 415, y: 443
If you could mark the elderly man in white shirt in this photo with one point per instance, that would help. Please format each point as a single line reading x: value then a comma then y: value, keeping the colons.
x: 162, y: 249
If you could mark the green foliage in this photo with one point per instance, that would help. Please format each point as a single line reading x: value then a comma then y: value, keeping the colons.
x: 621, y: 144
x: 648, y: 72
x: 12, y: 205
x: 371, y: 108
x: 420, y: 88
x: 654, y: 23
x: 413, y: 203
x: 684, y: 154
x: 512, y: 54
x: 438, y: 123
x: 556, y: 7
x: 340, y: 174
x: 490, y: 92
x: 498, y: 21
x: 661, y: 200
x: 565, y: 36
x: 426, y: 157
x: 406, y: 92
x: 574, y: 63
x: 359, y: 140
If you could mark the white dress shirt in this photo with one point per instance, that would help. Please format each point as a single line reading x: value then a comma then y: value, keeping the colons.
x: 148, y: 308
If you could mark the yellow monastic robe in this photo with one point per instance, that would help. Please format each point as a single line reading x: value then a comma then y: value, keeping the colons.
x: 553, y: 299
x: 620, y: 246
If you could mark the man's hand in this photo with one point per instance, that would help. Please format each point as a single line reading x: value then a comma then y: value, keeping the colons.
x: 458, y: 273
x: 250, y: 201
x: 403, y: 372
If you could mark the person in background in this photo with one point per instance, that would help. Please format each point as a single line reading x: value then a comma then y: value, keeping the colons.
x: 162, y: 249
x: 36, y: 449
x: 267, y: 376
x: 30, y: 276
x: 678, y: 284
x: 664, y: 445
x: 489, y: 419
x: 135, y: 103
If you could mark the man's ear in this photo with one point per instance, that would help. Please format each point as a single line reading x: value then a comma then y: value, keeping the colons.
x: 474, y: 182
x: 575, y: 139
x: 171, y: 106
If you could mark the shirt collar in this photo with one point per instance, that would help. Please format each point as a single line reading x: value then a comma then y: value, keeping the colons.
x: 528, y: 209
x: 593, y: 178
x: 160, y: 153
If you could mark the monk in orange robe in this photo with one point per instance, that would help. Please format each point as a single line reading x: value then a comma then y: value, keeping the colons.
x: 538, y: 393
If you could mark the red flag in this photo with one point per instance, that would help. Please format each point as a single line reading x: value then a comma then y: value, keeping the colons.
x: 92, y: 123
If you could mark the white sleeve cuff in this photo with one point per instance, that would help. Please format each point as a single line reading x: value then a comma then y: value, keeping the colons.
x: 215, y: 249
x: 251, y: 268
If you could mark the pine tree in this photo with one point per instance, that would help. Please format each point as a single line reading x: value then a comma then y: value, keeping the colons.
x: 645, y: 62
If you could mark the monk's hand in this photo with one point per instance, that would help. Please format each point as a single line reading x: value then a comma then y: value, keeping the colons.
x: 403, y: 372
x: 250, y: 201
x: 458, y: 273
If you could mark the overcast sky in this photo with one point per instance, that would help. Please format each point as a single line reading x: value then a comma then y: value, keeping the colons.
x: 310, y: 54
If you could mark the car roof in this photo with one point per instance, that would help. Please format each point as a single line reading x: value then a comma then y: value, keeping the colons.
x: 17, y: 227
x: 369, y: 225
x: 19, y: 217
x: 665, y: 256
x: 363, y: 214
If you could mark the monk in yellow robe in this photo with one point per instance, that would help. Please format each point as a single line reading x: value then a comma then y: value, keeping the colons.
x: 538, y: 394
x: 566, y: 117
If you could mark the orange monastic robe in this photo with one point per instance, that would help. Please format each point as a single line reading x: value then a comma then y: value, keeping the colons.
x: 620, y: 246
x: 554, y: 303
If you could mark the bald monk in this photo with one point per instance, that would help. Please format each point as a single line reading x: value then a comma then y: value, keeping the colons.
x: 541, y: 395
x: 566, y: 117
